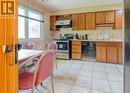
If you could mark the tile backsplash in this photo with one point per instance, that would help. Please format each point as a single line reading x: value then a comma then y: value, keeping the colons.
x: 99, y: 33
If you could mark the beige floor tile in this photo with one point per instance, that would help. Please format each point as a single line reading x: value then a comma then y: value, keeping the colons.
x: 115, y: 77
x: 83, y: 81
x: 86, y: 73
x: 86, y: 67
x: 97, y: 91
x: 80, y: 90
x: 101, y: 85
x: 99, y: 75
x: 112, y: 70
x: 65, y: 78
x: 99, y: 68
x: 62, y: 88
x: 117, y: 87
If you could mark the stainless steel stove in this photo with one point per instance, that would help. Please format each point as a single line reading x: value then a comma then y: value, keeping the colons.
x: 63, y: 47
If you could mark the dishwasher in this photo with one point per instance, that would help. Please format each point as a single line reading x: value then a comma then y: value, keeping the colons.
x: 88, y: 50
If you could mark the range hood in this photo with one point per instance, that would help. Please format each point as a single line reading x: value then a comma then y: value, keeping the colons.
x: 63, y: 23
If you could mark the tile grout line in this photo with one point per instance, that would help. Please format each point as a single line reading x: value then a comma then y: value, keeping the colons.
x: 119, y: 70
x: 91, y: 87
x: 108, y: 78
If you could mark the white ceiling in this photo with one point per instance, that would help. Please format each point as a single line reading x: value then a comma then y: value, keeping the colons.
x: 69, y: 4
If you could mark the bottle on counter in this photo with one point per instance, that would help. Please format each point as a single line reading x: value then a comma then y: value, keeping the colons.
x: 86, y: 36
x: 76, y: 36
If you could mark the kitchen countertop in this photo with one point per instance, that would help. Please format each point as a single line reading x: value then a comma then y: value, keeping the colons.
x: 110, y: 40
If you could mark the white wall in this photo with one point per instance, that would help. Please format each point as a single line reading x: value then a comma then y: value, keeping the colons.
x: 88, y: 9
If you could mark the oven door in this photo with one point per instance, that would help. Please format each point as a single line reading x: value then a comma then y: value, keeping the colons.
x: 62, y: 46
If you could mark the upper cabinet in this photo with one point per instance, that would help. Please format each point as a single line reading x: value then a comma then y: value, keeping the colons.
x: 75, y: 21
x: 110, y: 17
x: 82, y: 21
x: 52, y: 23
x: 78, y: 21
x: 90, y: 21
x: 107, y: 17
x: 100, y: 18
x: 119, y: 19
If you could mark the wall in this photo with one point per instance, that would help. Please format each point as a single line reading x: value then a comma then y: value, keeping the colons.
x: 99, y: 33
x: 47, y: 35
x: 87, y: 9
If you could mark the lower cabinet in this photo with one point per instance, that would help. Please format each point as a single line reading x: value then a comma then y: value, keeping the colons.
x: 109, y: 52
x: 112, y: 55
x: 101, y: 53
x: 76, y: 50
x: 120, y: 55
x: 76, y: 56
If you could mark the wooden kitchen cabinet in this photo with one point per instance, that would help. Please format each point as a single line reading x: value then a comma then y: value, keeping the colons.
x: 76, y: 56
x: 106, y: 17
x: 100, y: 18
x: 118, y: 19
x: 90, y: 21
x: 110, y: 52
x: 75, y: 21
x: 82, y: 21
x: 112, y: 55
x: 110, y: 17
x: 101, y: 53
x: 76, y: 50
x: 120, y: 54
x: 52, y: 23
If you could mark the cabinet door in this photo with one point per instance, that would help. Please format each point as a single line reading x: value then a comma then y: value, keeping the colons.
x: 101, y: 54
x: 75, y: 22
x: 76, y: 50
x: 112, y: 55
x: 118, y: 19
x: 100, y: 18
x: 110, y: 17
x: 76, y: 56
x: 120, y: 55
x: 82, y: 21
x: 90, y: 21
x: 52, y: 23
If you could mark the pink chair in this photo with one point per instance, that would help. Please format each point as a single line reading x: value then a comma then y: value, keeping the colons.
x: 30, y: 80
x: 53, y: 46
x: 28, y: 45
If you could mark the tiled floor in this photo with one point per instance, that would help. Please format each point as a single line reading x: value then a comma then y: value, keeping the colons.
x: 85, y: 77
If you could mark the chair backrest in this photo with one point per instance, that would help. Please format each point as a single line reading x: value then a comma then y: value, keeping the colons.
x: 45, y: 67
x: 28, y: 45
x: 52, y: 46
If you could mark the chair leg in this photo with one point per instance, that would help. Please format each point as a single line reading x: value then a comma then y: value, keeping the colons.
x: 33, y: 91
x: 52, y: 84
x: 55, y: 61
x: 56, y: 64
